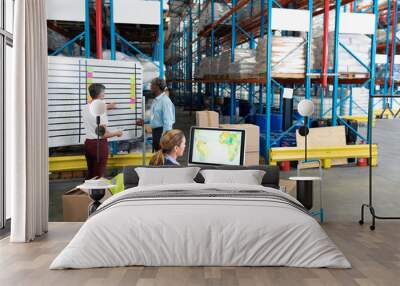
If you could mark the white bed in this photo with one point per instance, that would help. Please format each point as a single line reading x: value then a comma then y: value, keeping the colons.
x: 185, y: 230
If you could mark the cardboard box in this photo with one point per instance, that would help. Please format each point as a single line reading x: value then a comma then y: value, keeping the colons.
x: 148, y: 128
x: 289, y: 185
x: 252, y: 135
x: 207, y: 119
x: 76, y: 203
x: 323, y: 137
x: 251, y: 158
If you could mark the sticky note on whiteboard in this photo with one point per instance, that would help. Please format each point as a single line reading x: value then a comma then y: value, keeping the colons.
x: 132, y: 101
x: 288, y: 93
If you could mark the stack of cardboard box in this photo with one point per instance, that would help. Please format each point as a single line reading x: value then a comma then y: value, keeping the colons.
x: 76, y: 203
x: 207, y: 119
x: 252, y: 147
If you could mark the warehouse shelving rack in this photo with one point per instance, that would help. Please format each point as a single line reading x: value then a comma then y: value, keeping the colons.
x: 243, y: 32
x: 125, y: 45
x: 389, y: 19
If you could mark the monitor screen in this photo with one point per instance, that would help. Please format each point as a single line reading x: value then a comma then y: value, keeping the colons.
x: 215, y: 146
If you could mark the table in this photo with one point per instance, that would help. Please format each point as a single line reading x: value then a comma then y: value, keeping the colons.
x: 96, y: 193
x: 304, y: 186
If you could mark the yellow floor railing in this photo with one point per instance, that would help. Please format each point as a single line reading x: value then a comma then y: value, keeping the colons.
x: 325, y: 154
x: 77, y: 163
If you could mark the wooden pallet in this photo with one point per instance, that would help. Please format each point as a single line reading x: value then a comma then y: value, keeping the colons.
x: 284, y: 75
x: 353, y: 75
x: 243, y: 76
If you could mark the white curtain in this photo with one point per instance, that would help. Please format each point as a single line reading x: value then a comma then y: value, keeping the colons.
x: 26, y: 121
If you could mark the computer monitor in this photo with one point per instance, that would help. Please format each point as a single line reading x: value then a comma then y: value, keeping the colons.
x: 216, y: 146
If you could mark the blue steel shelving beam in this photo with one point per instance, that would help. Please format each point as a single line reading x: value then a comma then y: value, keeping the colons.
x: 385, y: 76
x: 251, y: 85
x: 336, y: 64
x: 184, y: 62
x: 112, y: 31
x: 199, y: 85
x: 233, y: 46
x: 212, y: 86
x: 190, y: 57
x: 308, y: 55
x: 161, y: 40
x: 87, y: 29
x: 262, y: 33
x: 394, y: 52
x: 372, y: 71
x: 268, y: 81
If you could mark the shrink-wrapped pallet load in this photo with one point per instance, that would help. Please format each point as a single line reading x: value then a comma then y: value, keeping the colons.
x: 287, y: 57
x: 173, y: 54
x: 205, y: 17
x: 204, y: 67
x: 381, y: 70
x: 224, y: 63
x: 251, y: 9
x: 358, y: 44
x: 214, y: 65
x: 381, y: 34
x: 244, y: 65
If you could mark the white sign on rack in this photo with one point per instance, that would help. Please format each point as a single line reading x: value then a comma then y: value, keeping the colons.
x: 68, y: 82
x: 288, y: 93
x: 380, y: 59
x: 290, y: 20
x: 62, y: 10
x: 137, y: 12
x: 357, y: 23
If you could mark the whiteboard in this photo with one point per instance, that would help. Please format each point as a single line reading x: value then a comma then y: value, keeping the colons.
x: 70, y: 10
x: 68, y: 81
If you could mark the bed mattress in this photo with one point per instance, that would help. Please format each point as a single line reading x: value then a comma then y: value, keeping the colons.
x: 201, y: 225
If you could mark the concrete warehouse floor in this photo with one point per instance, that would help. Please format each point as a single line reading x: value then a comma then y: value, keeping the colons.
x: 344, y: 188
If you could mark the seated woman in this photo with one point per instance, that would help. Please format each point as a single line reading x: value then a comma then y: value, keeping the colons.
x: 172, y: 144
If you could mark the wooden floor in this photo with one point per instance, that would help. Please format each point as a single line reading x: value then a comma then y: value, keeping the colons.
x: 375, y: 257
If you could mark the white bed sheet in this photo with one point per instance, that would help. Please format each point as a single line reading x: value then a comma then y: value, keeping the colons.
x: 200, y: 232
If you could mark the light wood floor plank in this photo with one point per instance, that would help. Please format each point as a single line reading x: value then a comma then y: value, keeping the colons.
x: 375, y: 257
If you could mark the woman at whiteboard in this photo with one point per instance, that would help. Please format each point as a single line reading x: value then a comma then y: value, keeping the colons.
x: 96, y: 167
x: 172, y: 146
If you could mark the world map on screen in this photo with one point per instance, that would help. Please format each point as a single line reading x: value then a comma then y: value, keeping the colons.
x: 217, y: 146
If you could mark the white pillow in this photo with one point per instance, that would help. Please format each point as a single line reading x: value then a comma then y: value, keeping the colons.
x: 247, y: 177
x: 166, y: 176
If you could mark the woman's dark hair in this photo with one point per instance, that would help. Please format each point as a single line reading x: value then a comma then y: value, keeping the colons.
x: 168, y: 142
x: 95, y: 89
x: 162, y: 85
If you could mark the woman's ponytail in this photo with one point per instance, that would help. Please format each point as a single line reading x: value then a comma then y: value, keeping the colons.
x: 168, y: 142
x: 157, y: 159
